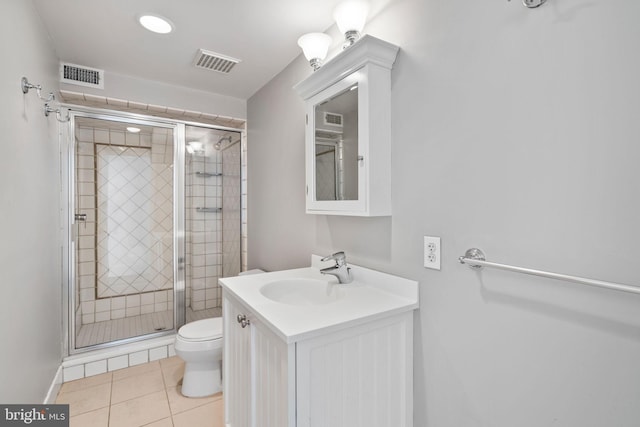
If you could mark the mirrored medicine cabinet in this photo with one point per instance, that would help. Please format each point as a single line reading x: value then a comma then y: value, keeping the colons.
x: 348, y: 131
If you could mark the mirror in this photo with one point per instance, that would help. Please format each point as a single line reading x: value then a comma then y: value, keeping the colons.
x: 336, y: 147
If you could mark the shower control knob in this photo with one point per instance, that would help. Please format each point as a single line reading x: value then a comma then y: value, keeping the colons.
x: 242, y: 319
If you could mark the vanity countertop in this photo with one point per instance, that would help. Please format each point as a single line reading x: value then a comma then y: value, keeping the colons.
x: 372, y: 295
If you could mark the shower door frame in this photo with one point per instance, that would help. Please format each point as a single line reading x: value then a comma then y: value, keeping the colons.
x: 68, y: 174
x: 178, y: 221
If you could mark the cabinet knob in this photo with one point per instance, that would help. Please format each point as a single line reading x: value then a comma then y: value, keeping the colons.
x: 242, y: 319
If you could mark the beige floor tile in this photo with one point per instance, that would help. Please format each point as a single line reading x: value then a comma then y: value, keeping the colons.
x: 136, y: 386
x: 98, y: 418
x: 86, y: 383
x: 86, y: 400
x: 140, y: 411
x: 170, y: 361
x: 122, y: 374
x: 162, y: 423
x: 209, y: 415
x: 172, y: 370
x: 178, y: 403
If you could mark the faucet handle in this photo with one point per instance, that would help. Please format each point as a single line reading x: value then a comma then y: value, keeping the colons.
x: 339, y: 257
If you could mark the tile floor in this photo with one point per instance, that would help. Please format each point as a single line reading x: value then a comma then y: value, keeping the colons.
x: 142, y: 395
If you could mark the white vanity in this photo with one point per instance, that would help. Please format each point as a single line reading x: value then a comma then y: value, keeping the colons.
x: 301, y: 350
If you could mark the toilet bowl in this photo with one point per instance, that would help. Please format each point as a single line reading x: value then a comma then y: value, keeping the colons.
x: 199, y: 344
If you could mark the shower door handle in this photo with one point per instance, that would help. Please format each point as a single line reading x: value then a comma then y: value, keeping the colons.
x: 80, y: 217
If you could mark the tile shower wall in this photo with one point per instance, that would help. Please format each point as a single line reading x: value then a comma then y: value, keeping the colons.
x: 99, y: 299
x: 204, y: 228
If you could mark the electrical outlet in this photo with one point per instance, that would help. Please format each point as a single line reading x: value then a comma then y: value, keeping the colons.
x: 432, y: 252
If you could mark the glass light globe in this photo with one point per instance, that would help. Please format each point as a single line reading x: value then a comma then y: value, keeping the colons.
x: 315, y: 47
x: 350, y: 16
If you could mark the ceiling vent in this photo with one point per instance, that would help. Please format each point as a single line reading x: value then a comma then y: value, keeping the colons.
x: 333, y: 119
x: 214, y: 61
x: 81, y: 76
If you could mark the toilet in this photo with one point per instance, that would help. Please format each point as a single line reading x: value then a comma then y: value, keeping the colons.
x: 199, y: 344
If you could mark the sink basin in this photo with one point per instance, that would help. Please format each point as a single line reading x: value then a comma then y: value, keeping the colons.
x: 302, y: 292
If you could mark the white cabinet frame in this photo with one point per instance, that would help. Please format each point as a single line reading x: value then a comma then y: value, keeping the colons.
x: 368, y: 64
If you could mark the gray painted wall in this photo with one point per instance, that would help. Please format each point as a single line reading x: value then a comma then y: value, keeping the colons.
x: 515, y: 131
x: 30, y: 307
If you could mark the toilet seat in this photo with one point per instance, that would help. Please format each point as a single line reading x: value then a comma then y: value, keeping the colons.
x: 202, y: 330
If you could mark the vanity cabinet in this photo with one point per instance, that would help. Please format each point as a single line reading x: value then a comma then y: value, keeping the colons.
x: 348, y: 131
x: 357, y: 375
x: 259, y: 380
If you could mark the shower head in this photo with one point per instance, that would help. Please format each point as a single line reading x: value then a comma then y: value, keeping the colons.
x: 218, y: 145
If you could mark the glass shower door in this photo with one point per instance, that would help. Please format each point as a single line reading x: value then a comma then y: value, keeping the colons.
x: 124, y: 230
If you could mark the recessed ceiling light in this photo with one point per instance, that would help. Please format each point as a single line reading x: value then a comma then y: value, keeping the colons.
x: 156, y: 24
x: 133, y: 129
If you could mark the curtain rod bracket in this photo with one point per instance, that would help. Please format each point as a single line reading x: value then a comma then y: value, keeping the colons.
x: 26, y: 87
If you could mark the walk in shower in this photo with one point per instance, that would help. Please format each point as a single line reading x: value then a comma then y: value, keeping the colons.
x: 155, y: 221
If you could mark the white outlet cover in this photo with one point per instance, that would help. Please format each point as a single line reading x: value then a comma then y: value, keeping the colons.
x: 432, y: 252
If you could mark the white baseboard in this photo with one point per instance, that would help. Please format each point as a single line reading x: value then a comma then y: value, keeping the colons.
x: 54, y: 388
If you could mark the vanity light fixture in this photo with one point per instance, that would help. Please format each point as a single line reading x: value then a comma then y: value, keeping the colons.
x: 350, y: 16
x: 133, y: 129
x: 315, y: 47
x: 156, y: 24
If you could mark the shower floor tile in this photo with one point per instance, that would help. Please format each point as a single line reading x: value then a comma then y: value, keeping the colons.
x: 144, y: 395
x: 127, y: 327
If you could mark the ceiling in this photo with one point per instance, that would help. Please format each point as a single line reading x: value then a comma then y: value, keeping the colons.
x: 263, y: 34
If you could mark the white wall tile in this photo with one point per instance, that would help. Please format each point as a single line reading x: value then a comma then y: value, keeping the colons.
x: 138, y: 358
x: 119, y: 362
x: 95, y: 368
x: 133, y: 311
x: 103, y: 316
x: 147, y: 308
x: 147, y: 298
x: 133, y: 301
x: 160, y: 297
x: 118, y: 314
x: 118, y: 302
x: 72, y: 373
x: 158, y: 353
x: 103, y: 304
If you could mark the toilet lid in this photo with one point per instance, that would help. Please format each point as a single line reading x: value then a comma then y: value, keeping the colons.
x: 202, y: 330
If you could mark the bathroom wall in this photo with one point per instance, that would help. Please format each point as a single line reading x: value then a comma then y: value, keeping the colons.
x: 30, y: 261
x: 514, y: 131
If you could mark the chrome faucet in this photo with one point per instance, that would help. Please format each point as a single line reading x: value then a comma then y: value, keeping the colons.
x: 340, y: 270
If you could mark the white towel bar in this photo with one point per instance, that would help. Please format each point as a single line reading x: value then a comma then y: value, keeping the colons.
x: 475, y: 258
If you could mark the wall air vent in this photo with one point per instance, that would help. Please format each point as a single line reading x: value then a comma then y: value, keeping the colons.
x: 332, y: 119
x: 81, y: 76
x: 214, y: 61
